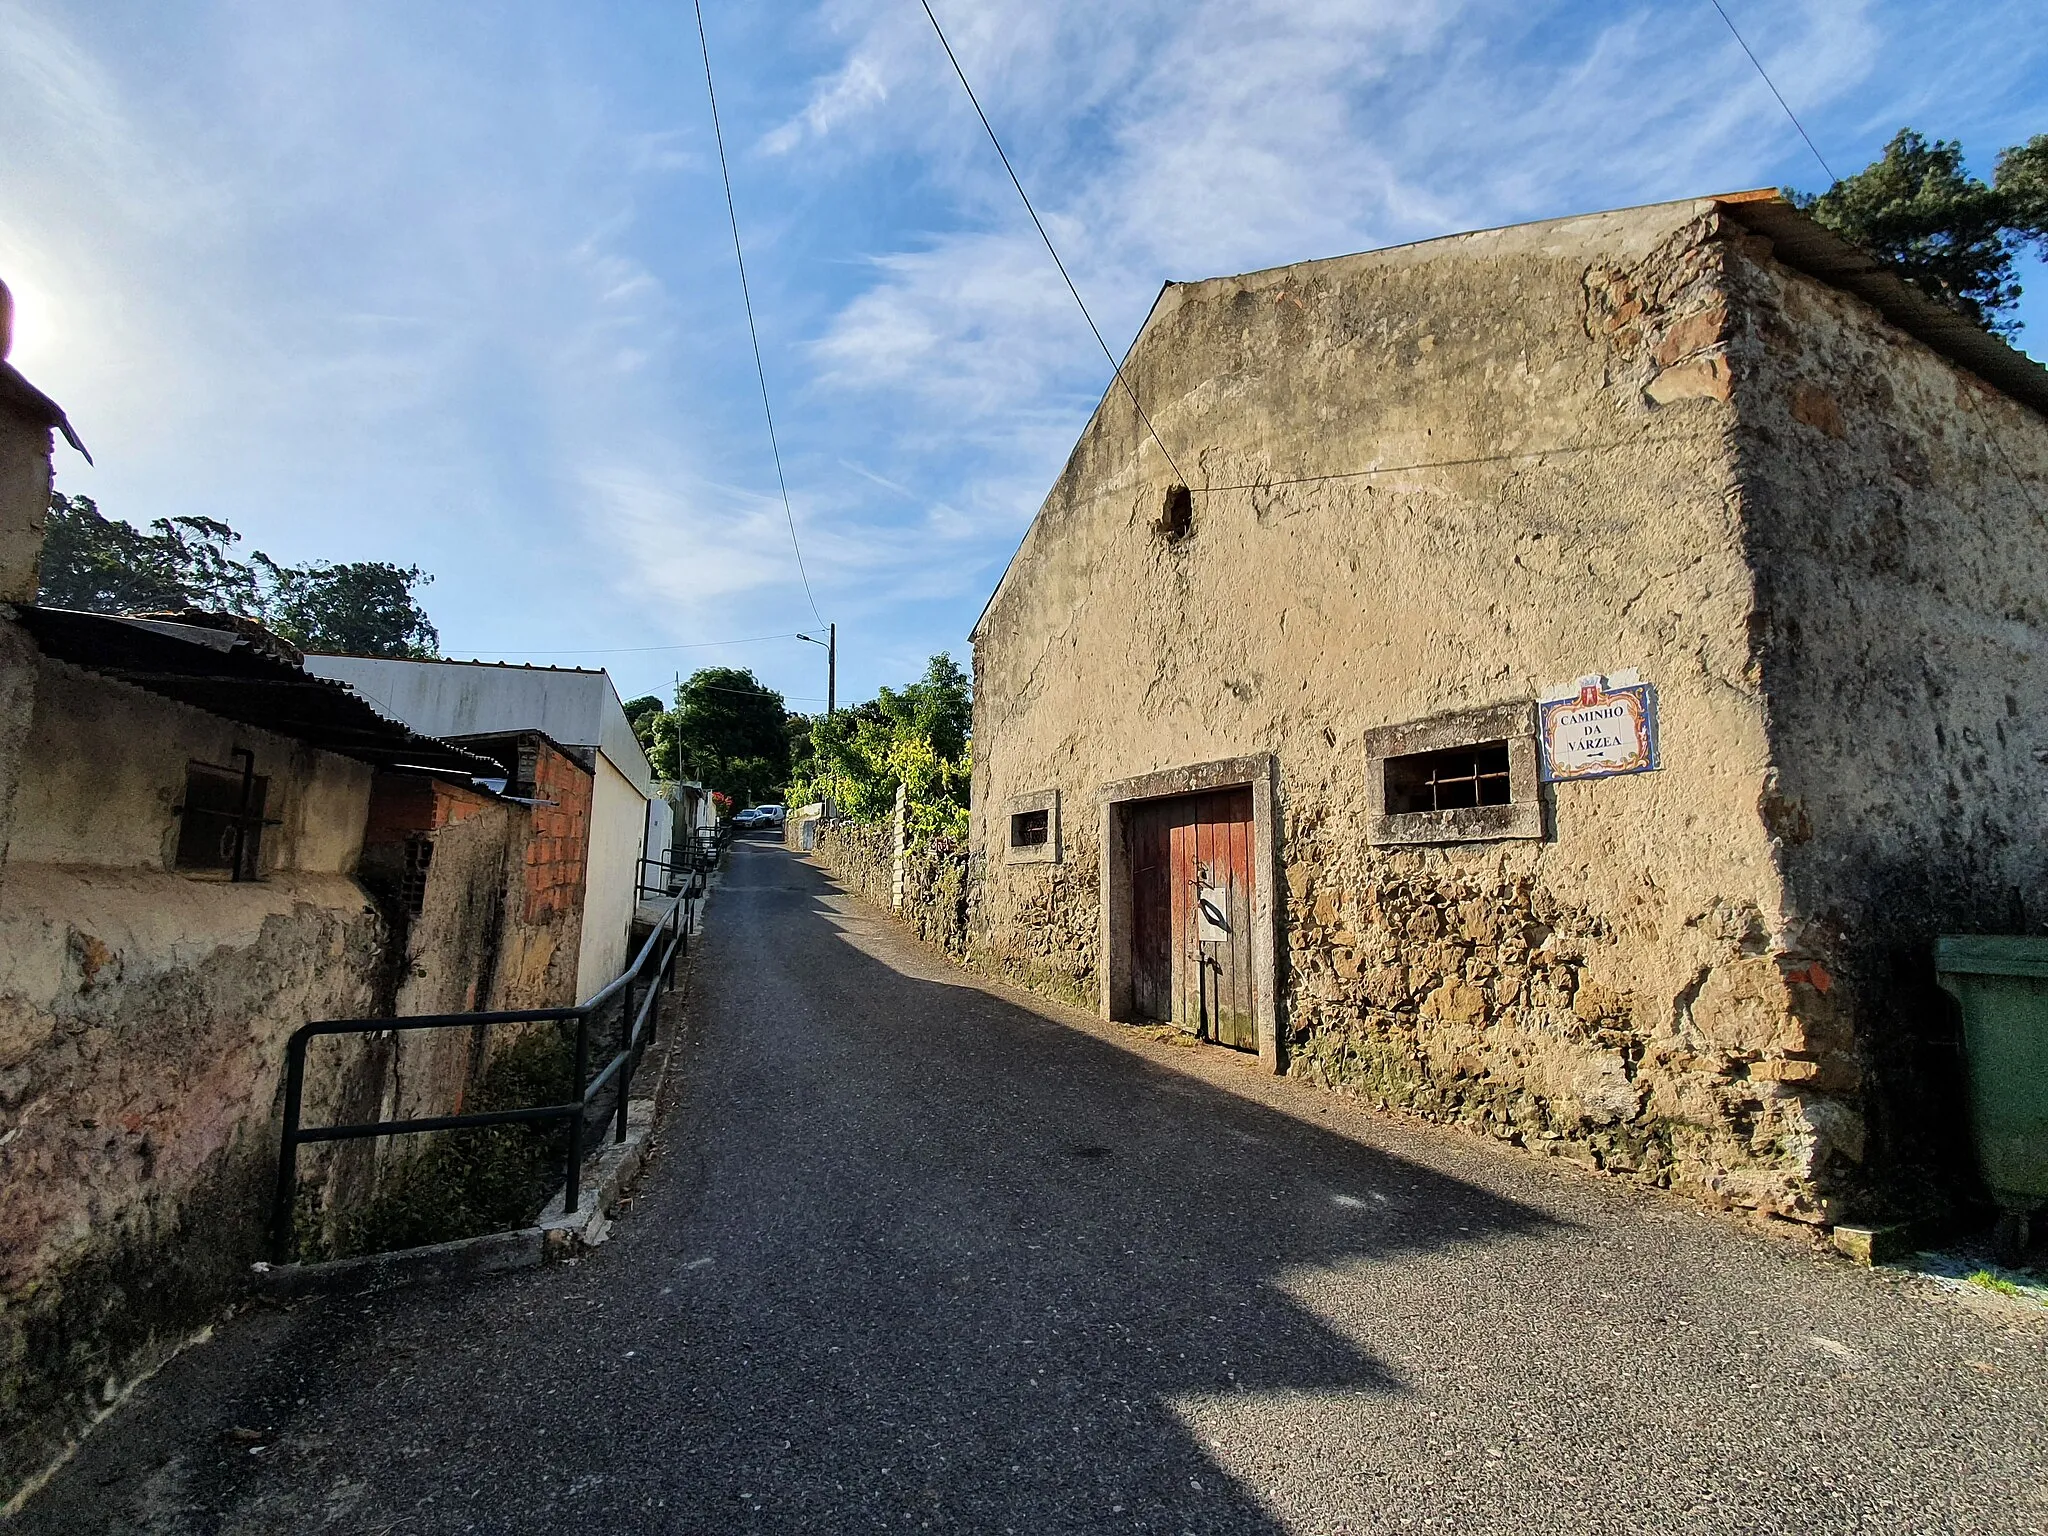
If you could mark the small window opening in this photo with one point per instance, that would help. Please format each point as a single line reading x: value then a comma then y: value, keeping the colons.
x: 412, y: 885
x: 220, y: 825
x: 1449, y: 780
x: 1177, y: 514
x: 1030, y: 829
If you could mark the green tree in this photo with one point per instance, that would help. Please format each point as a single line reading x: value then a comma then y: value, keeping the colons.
x: 103, y: 565
x: 365, y: 608
x: 1946, y: 232
x: 916, y: 736
x: 730, y: 734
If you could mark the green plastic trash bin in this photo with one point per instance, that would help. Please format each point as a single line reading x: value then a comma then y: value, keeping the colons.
x: 2002, y: 984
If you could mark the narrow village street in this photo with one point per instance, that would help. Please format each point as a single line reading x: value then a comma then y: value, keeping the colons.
x: 917, y: 1253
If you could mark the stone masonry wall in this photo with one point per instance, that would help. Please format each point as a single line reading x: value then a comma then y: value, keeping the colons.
x: 1896, y: 510
x: 858, y: 854
x: 940, y: 897
x: 142, y: 1021
x: 1429, y: 479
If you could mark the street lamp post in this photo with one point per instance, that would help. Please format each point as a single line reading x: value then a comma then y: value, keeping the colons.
x: 831, y: 644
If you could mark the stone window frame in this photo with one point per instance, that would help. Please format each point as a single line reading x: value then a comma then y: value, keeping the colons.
x: 1259, y: 772
x: 1521, y: 817
x: 1047, y: 852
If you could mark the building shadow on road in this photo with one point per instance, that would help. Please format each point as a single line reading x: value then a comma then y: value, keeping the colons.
x: 1009, y: 1261
x: 915, y: 1258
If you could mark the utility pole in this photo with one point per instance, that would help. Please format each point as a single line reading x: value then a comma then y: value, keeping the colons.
x: 831, y: 644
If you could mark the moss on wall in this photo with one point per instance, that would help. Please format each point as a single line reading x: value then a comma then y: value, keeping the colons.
x: 464, y: 1183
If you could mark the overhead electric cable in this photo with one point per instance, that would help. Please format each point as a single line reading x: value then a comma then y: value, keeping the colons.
x: 622, y: 650
x: 1040, y: 226
x: 747, y: 299
x: 758, y: 693
x: 1832, y: 177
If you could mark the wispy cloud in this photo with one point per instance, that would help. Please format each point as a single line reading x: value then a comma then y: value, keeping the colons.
x: 454, y: 286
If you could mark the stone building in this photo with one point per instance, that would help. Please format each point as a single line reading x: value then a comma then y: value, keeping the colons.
x: 1558, y: 679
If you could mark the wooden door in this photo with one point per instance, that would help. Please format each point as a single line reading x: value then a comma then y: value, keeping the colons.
x: 1192, y: 885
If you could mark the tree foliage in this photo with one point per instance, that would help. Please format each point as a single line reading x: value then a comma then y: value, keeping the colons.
x: 727, y: 731
x: 916, y: 736
x: 104, y: 565
x: 644, y: 715
x: 1948, y: 233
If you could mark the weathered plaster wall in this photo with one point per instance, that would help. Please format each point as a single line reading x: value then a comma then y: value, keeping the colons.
x: 1897, y: 513
x: 25, y: 448
x: 19, y: 671
x: 1437, y: 480
x: 142, y: 1022
x: 143, y: 1014
x: 104, y: 766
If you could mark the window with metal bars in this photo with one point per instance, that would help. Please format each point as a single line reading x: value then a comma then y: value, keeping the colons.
x: 1448, y: 780
x: 220, y: 821
x: 412, y: 885
x: 1030, y: 829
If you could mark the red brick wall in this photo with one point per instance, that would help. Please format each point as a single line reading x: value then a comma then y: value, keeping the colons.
x: 404, y: 804
x: 560, y: 839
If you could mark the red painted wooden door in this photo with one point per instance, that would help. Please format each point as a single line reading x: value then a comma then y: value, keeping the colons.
x: 1192, y: 885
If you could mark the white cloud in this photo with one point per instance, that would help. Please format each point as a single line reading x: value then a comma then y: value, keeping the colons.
x: 455, y: 286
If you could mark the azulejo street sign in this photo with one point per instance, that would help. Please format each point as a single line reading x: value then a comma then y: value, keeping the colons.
x: 1598, y: 730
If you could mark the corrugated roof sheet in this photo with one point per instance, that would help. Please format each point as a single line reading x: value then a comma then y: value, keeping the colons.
x: 226, y: 674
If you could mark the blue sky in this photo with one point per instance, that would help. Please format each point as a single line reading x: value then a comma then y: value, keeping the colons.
x: 453, y: 285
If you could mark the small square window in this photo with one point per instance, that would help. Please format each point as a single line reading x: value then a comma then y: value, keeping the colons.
x: 1033, y: 823
x: 1465, y: 777
x: 215, y: 823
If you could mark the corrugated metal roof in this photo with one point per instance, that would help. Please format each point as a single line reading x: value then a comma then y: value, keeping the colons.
x: 227, y: 674
x: 457, y: 661
x: 1806, y: 246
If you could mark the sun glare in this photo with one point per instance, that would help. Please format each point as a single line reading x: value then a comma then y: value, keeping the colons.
x: 35, y: 322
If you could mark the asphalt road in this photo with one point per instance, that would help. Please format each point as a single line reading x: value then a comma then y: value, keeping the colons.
x: 920, y: 1254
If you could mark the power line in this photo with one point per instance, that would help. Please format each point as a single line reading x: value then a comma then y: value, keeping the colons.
x: 624, y: 650
x: 747, y: 299
x: 1487, y: 458
x: 1832, y: 177
x: 1039, y: 225
x: 758, y: 693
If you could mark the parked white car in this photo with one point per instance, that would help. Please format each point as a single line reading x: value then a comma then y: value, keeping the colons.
x: 759, y: 816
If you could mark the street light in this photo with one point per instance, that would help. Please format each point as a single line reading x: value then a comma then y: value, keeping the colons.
x: 831, y: 644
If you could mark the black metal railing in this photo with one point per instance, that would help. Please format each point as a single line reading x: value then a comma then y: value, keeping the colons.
x: 690, y: 861
x: 635, y: 994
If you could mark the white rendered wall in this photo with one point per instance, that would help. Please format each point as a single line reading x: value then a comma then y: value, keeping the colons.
x: 618, y: 827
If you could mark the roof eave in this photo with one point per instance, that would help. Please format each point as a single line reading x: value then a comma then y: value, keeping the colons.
x: 1805, y: 245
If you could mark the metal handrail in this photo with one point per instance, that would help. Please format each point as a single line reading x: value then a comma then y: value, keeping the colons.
x: 637, y: 1021
x: 690, y: 860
